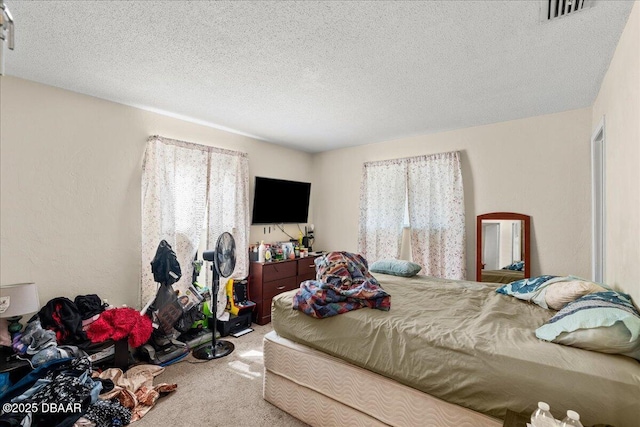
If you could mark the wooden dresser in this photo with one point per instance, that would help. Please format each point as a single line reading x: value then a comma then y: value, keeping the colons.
x: 268, y: 279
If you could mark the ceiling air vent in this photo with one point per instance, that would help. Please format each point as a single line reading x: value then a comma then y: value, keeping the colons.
x: 554, y: 9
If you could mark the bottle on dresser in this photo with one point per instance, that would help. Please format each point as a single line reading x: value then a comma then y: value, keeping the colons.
x: 261, y: 250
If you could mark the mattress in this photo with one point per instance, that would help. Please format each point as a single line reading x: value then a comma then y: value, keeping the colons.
x: 465, y: 344
x: 339, y: 393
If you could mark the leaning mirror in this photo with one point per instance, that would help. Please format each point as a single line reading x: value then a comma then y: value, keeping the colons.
x: 502, y: 251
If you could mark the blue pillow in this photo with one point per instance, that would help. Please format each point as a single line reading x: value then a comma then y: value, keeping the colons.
x: 395, y: 267
x: 528, y: 289
x: 516, y: 266
x: 593, y: 322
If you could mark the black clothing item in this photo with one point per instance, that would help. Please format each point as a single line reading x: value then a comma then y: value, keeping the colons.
x: 26, y: 382
x: 62, y: 316
x: 166, y: 271
x: 108, y: 413
x: 189, y: 318
x: 107, y: 384
x: 89, y: 305
x: 165, y: 265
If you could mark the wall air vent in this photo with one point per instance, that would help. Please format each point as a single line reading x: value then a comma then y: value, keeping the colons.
x: 554, y: 9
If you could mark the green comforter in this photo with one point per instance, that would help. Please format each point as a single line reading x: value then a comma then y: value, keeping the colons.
x: 466, y: 344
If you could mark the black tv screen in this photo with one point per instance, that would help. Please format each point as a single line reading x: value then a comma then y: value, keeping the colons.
x: 277, y: 201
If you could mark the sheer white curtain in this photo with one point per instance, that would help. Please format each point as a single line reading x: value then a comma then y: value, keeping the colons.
x: 180, y: 180
x: 382, y: 207
x: 427, y: 188
x: 436, y: 214
x: 174, y: 199
x: 229, y: 210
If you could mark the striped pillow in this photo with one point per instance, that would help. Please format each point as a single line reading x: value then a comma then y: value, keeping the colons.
x: 601, y: 314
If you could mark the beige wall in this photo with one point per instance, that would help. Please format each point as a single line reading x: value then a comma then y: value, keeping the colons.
x: 538, y: 166
x: 619, y: 103
x: 70, y: 181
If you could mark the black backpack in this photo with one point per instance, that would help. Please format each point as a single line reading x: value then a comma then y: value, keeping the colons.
x: 165, y: 265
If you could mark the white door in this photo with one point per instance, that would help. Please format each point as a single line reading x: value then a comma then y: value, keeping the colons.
x: 491, y: 246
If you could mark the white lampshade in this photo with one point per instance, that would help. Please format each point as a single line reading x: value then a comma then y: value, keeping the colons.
x: 18, y: 299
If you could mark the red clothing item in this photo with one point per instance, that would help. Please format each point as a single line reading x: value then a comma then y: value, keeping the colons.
x: 118, y: 323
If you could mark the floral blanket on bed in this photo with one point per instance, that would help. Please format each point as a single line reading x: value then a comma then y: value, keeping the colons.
x: 343, y: 284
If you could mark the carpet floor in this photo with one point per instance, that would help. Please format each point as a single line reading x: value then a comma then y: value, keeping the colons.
x: 221, y: 392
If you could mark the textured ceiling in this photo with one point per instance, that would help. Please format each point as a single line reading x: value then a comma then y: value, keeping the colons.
x: 321, y: 75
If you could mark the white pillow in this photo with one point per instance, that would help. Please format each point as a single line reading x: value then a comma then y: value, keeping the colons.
x: 560, y: 294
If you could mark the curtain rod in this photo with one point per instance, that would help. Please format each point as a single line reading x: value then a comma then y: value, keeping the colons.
x: 410, y: 159
x: 196, y: 146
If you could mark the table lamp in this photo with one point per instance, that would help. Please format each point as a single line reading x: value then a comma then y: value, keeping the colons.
x: 16, y: 301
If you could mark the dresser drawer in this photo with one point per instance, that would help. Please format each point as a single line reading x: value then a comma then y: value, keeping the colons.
x: 306, y: 276
x: 306, y: 265
x: 271, y: 289
x: 278, y: 270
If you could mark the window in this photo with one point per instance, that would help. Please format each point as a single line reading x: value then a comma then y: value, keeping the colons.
x: 421, y: 197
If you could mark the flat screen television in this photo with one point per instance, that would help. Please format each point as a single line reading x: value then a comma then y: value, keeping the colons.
x: 277, y: 201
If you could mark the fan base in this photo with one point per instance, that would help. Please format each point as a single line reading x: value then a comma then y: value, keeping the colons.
x: 208, y: 352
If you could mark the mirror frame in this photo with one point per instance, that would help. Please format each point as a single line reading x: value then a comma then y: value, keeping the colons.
x: 504, y: 216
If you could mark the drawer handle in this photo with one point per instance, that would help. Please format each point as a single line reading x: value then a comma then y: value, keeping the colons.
x: 312, y: 266
x: 280, y: 287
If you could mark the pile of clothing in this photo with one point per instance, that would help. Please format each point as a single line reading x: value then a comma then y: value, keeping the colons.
x: 56, y: 331
x: 64, y: 389
x: 65, y: 328
x: 68, y: 392
x: 41, y: 344
x: 57, y: 393
x: 343, y: 284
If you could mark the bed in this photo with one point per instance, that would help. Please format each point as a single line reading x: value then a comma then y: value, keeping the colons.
x: 501, y: 276
x: 447, y: 353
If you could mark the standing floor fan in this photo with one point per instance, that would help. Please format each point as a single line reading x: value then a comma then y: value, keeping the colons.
x: 224, y: 262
